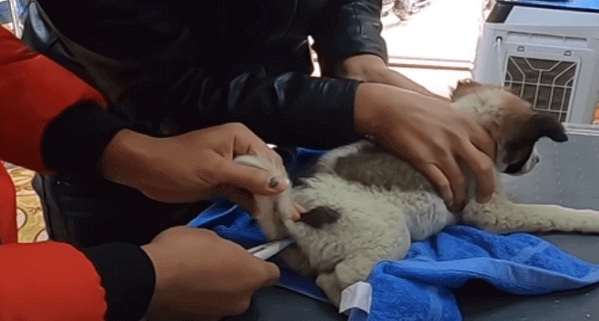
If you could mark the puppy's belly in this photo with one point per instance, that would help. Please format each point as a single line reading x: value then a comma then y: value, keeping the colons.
x: 426, y: 214
x: 367, y: 224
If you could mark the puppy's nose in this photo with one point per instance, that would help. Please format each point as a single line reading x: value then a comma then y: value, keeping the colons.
x: 536, y: 158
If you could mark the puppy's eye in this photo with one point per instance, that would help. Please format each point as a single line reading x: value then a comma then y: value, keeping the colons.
x: 514, y: 168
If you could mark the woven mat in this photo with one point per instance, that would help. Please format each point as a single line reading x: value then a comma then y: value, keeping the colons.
x: 30, y: 218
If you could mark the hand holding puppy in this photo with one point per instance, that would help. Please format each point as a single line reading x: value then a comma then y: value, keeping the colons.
x: 436, y: 139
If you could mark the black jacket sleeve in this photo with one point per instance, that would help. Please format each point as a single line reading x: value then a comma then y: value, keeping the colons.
x: 350, y: 29
x: 128, y: 277
x: 286, y: 109
x: 76, y: 139
x: 168, y: 64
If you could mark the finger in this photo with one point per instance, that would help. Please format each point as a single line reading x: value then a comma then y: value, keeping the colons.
x: 274, y: 158
x: 484, y: 173
x: 297, y: 212
x: 246, y: 142
x: 270, y: 273
x: 300, y: 208
x: 241, y: 197
x: 483, y: 140
x: 439, y: 180
x: 457, y: 181
x: 263, y: 151
x: 252, y: 179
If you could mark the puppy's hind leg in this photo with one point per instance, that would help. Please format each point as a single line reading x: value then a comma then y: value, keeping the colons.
x: 297, y: 261
x: 328, y: 283
x: 503, y: 216
x: 358, y: 265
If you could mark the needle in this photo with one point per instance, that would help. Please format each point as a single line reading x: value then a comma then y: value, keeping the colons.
x: 268, y: 250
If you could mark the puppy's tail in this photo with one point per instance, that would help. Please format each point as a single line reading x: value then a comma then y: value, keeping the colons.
x: 320, y: 216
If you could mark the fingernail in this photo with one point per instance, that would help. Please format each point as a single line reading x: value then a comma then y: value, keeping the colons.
x: 273, y: 182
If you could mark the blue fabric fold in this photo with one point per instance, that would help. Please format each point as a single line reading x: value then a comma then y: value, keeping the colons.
x: 420, y: 287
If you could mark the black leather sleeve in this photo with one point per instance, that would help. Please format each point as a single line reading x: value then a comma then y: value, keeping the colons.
x: 286, y: 109
x: 353, y: 29
x: 170, y: 73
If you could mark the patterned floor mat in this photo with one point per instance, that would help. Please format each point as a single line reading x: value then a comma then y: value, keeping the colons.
x: 30, y: 218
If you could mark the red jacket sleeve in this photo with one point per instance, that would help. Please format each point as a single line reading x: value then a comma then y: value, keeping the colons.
x: 40, y: 104
x: 34, y: 91
x: 49, y: 281
x: 8, y: 209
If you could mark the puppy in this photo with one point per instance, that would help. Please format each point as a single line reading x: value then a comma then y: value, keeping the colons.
x: 365, y: 205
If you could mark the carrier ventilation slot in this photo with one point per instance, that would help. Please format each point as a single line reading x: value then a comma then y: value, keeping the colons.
x: 546, y: 84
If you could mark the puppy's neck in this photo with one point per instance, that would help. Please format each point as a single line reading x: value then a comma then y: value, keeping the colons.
x: 484, y: 105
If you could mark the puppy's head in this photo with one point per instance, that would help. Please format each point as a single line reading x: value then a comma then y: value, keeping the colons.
x: 511, y: 121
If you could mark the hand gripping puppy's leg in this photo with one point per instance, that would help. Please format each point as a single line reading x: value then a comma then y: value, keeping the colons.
x: 270, y: 209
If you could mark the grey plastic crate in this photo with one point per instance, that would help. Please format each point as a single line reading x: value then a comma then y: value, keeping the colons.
x: 567, y: 175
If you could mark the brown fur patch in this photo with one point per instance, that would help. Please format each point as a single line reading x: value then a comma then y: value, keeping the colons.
x: 526, y: 132
x: 514, y: 125
x: 320, y: 216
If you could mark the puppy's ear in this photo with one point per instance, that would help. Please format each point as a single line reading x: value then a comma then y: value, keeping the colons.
x: 544, y: 125
x: 521, y: 141
x: 537, y: 126
x: 465, y: 87
x: 467, y: 81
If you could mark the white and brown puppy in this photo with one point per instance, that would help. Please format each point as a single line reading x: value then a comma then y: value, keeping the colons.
x: 365, y: 205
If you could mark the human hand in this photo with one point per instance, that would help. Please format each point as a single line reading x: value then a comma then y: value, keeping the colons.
x: 193, y: 166
x: 200, y: 276
x: 435, y: 138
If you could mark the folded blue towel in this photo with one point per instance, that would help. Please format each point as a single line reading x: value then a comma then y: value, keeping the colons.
x: 420, y: 286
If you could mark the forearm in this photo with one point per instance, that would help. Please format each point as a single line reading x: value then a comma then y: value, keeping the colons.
x: 350, y: 45
x: 34, y: 91
x: 371, y: 68
x: 391, y: 77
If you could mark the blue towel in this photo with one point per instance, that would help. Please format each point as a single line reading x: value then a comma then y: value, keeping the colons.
x: 420, y: 287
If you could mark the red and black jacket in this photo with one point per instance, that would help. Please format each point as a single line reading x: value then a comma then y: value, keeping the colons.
x: 53, y: 281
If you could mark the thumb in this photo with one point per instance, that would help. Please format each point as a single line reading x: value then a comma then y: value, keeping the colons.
x: 252, y: 179
x: 269, y: 273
